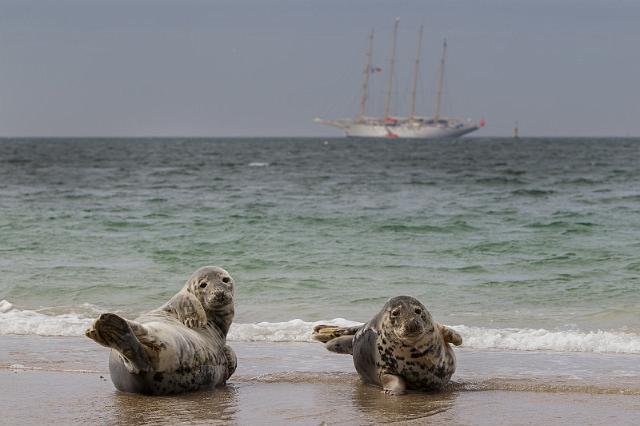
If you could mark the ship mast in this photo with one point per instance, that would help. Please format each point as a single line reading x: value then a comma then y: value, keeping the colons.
x: 436, y: 117
x: 416, y: 70
x: 367, y: 73
x: 387, y: 104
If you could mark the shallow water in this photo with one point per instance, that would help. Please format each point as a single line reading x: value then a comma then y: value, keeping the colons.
x: 301, y: 383
x: 491, y: 234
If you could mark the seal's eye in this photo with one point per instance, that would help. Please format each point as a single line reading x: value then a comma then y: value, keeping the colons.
x: 418, y: 311
x: 225, y: 280
x: 395, y: 313
x: 203, y: 284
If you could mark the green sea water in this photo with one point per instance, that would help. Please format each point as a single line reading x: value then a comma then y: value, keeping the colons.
x: 529, y: 233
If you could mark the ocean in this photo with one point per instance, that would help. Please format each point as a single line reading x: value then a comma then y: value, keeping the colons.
x: 529, y: 244
x: 529, y: 248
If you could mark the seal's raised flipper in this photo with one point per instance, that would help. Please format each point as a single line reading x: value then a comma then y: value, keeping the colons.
x: 187, y: 308
x: 340, y: 345
x: 450, y: 335
x: 324, y: 333
x: 115, y: 332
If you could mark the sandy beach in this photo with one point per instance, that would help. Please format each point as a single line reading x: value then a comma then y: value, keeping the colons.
x: 66, y: 381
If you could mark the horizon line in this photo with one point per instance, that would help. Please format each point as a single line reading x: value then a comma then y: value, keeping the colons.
x: 304, y: 137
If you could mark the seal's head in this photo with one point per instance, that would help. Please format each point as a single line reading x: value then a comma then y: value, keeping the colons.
x: 213, y: 286
x: 406, y: 319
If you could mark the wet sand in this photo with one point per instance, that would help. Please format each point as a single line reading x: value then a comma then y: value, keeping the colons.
x: 66, y: 381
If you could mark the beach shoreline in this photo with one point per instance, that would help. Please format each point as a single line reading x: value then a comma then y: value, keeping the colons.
x: 65, y: 380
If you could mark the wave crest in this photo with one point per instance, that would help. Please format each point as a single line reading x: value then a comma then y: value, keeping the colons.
x: 15, y: 321
x: 26, y: 322
x: 563, y: 341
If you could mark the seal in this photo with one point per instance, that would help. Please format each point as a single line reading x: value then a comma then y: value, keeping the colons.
x: 400, y: 348
x: 178, y: 347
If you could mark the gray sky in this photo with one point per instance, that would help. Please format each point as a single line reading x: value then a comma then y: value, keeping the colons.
x: 268, y: 67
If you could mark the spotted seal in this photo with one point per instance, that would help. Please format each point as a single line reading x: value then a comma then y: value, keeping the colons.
x: 400, y: 348
x: 178, y: 347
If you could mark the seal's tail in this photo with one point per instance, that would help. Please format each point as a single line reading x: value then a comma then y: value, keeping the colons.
x: 323, y: 333
x: 337, y: 339
x: 114, y: 332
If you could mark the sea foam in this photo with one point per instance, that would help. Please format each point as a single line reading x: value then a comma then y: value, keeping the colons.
x: 27, y: 322
x: 295, y: 330
x: 16, y: 321
x: 540, y: 339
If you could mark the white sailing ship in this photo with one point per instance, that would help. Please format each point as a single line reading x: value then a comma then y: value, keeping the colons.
x: 413, y: 126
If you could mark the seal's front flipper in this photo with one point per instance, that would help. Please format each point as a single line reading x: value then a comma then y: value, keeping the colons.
x: 450, y: 335
x: 324, y: 333
x: 187, y: 308
x: 340, y: 345
x: 232, y: 361
x: 114, y: 332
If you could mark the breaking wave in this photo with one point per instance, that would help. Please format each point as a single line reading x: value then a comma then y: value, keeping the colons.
x: 28, y: 322
x: 527, y: 339
x: 16, y: 321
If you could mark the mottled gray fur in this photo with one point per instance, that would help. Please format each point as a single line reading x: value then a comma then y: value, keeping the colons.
x: 178, y: 347
x: 400, y: 348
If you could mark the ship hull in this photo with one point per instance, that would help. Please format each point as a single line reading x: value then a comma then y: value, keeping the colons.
x: 406, y: 132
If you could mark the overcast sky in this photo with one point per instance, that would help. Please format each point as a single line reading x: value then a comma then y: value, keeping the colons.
x: 268, y: 67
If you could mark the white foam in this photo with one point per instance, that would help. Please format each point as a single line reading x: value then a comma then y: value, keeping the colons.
x: 295, y: 330
x: 258, y: 164
x: 5, y: 306
x: 16, y: 321
x: 563, y: 341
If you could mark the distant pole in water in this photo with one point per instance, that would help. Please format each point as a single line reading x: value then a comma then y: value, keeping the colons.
x: 367, y: 73
x: 416, y: 71
x: 515, y: 131
x: 436, y: 117
x: 387, y: 104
